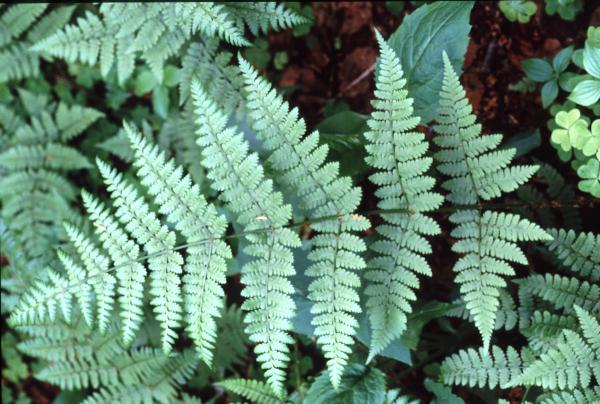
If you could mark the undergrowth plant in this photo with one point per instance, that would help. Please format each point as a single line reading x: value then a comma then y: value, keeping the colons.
x: 148, y: 250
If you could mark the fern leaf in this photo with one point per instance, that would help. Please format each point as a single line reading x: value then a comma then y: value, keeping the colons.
x: 260, y: 17
x: 579, y: 252
x: 96, y: 265
x: 19, y: 17
x: 50, y: 23
x: 159, y: 384
x: 479, y: 172
x: 239, y: 177
x: 72, y: 121
x: 185, y: 207
x: 18, y: 63
x: 577, y: 396
x: 165, y: 269
x: 398, y: 155
x: 253, y: 390
x: 125, y: 254
x: 53, y: 155
x: 81, y: 42
x: 544, y: 329
x: 472, y: 367
x: 590, y: 328
x: 563, y: 292
x: 335, y: 254
x: 569, y: 365
x: 221, y: 80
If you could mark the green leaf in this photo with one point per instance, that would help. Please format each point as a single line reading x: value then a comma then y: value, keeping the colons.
x: 538, y: 70
x: 586, y: 93
x: 423, y: 312
x: 145, y: 82
x: 443, y: 394
x: 172, y: 76
x: 591, y: 60
x: 562, y: 59
x: 590, y: 174
x: 419, y: 42
x: 160, y: 101
x: 524, y: 142
x: 343, y: 133
x: 549, y: 93
x: 570, y: 127
x: 359, y: 385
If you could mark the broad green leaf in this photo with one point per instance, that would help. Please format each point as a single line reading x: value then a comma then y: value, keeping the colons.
x: 549, y: 93
x: 524, y: 142
x: 423, y: 312
x: 562, y: 59
x: 419, y: 42
x: 360, y: 384
x: 160, y: 101
x: 145, y: 82
x: 538, y: 70
x: 443, y: 394
x: 591, y: 60
x: 586, y: 93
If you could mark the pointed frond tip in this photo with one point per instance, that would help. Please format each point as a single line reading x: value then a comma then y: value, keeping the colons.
x: 479, y: 171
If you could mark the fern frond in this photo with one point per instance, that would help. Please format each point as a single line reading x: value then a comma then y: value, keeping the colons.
x: 397, y: 152
x: 165, y: 269
x: 53, y: 155
x: 577, y: 396
x: 221, y: 80
x: 18, y: 63
x: 544, y: 329
x: 19, y: 17
x: 253, y: 390
x: 335, y: 255
x: 96, y: 266
x: 590, y: 328
x: 506, y: 316
x: 125, y: 254
x: 563, y: 292
x: 82, y: 41
x: 185, y: 207
x: 260, y: 17
x: 569, y: 365
x: 50, y: 23
x: 73, y: 120
x: 158, y: 384
x: 154, y: 31
x: 479, y: 172
x: 472, y: 367
x: 578, y: 252
x: 239, y: 177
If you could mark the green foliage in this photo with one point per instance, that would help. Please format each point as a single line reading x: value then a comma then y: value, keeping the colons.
x: 578, y: 252
x: 35, y: 161
x: 397, y: 152
x: 517, y: 10
x: 359, y: 384
x: 238, y: 176
x: 156, y: 31
x: 198, y: 217
x: 420, y: 48
x: 473, y: 367
x: 324, y: 195
x: 566, y: 9
x: 254, y: 390
x: 478, y: 173
x: 20, y: 26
